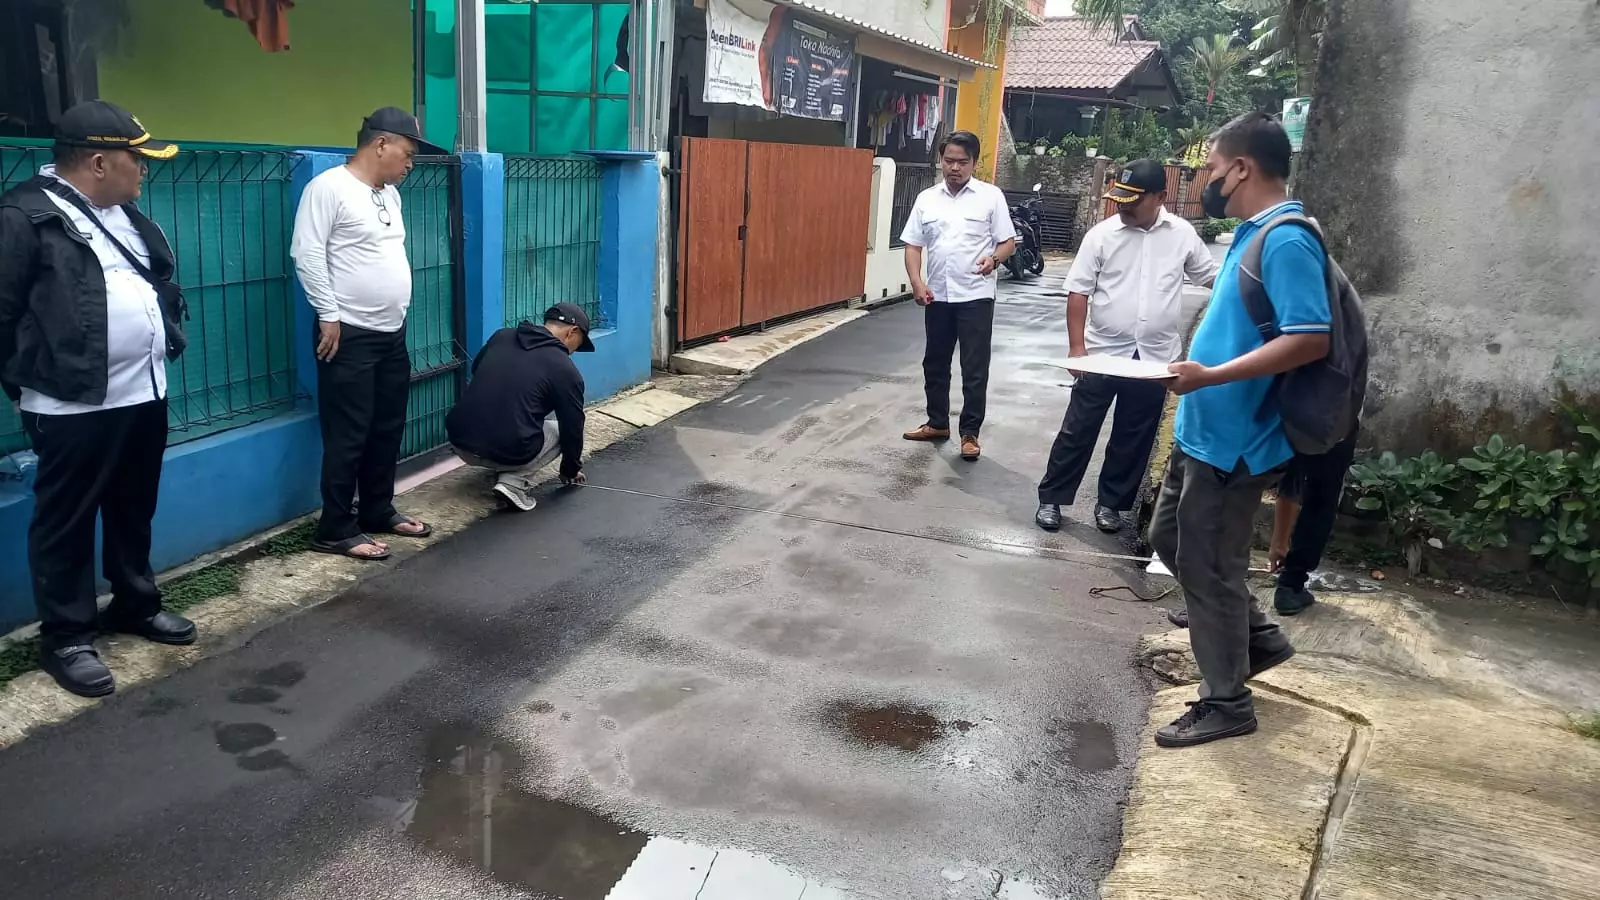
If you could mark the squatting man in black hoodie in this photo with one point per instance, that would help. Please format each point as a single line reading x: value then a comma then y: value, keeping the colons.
x: 522, y: 377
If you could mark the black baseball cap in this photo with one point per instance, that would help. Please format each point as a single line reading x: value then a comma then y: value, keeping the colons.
x: 98, y: 123
x: 1138, y: 178
x: 395, y: 120
x: 572, y: 314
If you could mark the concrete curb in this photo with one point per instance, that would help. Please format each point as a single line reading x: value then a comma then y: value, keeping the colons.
x: 271, y: 589
x: 746, y: 353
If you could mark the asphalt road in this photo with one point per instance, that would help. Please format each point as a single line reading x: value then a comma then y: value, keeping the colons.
x: 617, y: 688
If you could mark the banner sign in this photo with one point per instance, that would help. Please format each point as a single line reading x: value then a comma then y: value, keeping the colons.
x: 737, y: 68
x: 812, y: 71
x: 1295, y: 110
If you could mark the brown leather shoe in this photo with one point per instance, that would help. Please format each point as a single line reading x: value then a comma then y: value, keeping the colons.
x: 969, y: 448
x: 928, y: 433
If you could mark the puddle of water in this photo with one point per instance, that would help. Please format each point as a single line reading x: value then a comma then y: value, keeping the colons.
x: 896, y: 726
x: 472, y: 808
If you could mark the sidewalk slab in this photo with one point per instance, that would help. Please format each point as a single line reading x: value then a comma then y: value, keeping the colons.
x: 1236, y: 819
x: 648, y: 408
x: 743, y: 354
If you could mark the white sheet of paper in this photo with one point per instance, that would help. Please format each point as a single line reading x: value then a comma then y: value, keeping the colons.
x: 1120, y: 367
x: 1157, y: 567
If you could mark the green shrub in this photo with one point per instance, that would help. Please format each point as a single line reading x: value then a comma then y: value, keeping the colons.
x: 1210, y: 229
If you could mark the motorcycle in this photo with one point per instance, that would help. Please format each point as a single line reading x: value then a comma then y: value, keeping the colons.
x: 1029, y: 256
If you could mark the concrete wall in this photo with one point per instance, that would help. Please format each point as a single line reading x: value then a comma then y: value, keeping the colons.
x: 223, y: 488
x: 1448, y: 154
x: 886, y: 265
x: 191, y: 73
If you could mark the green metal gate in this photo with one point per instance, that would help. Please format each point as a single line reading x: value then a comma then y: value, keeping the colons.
x: 430, y: 199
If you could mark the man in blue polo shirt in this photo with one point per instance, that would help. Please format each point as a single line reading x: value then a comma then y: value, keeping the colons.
x: 1228, y: 452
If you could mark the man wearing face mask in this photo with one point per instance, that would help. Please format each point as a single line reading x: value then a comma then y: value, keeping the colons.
x: 89, y: 316
x: 1229, y: 447
x: 1124, y: 298
x: 349, y: 249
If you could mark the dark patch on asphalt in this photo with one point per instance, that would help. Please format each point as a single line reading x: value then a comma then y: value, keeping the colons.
x: 282, y: 675
x: 267, y: 761
x: 541, y: 707
x: 801, y: 425
x: 471, y: 808
x: 242, y: 737
x: 1091, y: 746
x: 159, y: 706
x: 896, y: 726
x: 254, y: 695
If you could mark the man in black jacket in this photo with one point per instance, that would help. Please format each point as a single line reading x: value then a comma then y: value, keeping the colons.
x: 522, y: 377
x: 89, y: 316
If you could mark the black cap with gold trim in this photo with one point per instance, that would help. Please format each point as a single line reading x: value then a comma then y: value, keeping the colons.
x: 98, y: 123
x: 1136, y: 179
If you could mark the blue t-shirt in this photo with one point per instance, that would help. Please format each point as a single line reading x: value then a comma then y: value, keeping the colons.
x: 1219, y: 424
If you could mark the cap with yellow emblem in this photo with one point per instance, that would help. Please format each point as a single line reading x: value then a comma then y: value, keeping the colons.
x: 98, y: 123
x: 1137, y: 179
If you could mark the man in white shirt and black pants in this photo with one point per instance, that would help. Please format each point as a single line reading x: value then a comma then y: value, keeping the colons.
x: 89, y: 316
x: 1124, y: 298
x: 962, y: 228
x: 349, y: 250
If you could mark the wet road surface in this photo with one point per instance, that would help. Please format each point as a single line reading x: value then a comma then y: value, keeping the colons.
x: 625, y: 696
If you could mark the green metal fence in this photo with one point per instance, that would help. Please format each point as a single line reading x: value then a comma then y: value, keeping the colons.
x: 430, y: 199
x: 552, y: 239
x: 227, y: 215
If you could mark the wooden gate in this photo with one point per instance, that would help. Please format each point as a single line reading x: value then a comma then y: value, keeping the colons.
x: 767, y: 231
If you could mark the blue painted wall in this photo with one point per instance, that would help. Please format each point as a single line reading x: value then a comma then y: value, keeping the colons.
x: 222, y: 489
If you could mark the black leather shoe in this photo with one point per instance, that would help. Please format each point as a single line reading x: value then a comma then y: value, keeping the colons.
x: 1107, y: 519
x: 1178, y: 617
x: 1202, y: 724
x: 1048, y: 517
x: 78, y: 670
x: 162, y: 628
x: 1290, y: 602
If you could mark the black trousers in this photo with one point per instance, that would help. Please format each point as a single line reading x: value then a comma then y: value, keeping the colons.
x: 361, y: 399
x: 1133, y: 434
x: 105, y: 463
x: 971, y: 325
x: 1317, y: 482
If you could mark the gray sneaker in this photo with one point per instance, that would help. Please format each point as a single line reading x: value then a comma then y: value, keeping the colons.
x: 516, y: 491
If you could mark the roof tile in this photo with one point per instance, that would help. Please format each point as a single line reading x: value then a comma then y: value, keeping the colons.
x: 1065, y: 53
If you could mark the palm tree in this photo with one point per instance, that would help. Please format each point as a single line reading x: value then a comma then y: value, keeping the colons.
x: 1216, y: 59
x: 1288, y: 33
x: 1103, y: 15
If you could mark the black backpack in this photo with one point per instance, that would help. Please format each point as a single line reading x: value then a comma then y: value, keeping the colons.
x: 1320, y: 402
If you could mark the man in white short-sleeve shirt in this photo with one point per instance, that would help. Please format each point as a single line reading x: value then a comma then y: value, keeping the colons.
x: 349, y: 250
x: 1124, y: 298
x: 962, y: 229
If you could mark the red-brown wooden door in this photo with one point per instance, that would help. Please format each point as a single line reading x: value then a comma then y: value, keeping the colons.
x: 711, y: 196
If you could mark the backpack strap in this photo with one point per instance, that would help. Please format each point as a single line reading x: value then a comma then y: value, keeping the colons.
x: 1252, y: 286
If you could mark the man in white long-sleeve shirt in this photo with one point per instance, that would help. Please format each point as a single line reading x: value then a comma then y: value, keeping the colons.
x: 349, y: 250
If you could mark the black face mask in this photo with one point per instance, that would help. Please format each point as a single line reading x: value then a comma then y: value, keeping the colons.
x: 1213, y: 202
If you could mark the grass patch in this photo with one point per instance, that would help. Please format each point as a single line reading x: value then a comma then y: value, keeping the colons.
x: 22, y: 657
x: 1586, y: 724
x: 295, y: 540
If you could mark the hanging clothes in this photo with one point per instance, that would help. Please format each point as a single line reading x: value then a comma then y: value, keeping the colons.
x: 268, y: 20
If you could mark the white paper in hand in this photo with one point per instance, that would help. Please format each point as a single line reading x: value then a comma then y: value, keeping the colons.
x: 1117, y: 366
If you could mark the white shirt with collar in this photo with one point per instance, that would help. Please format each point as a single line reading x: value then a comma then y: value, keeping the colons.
x: 1133, y: 278
x: 136, y: 336
x: 956, y: 231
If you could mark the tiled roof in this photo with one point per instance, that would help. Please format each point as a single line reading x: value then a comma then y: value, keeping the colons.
x: 1065, y: 53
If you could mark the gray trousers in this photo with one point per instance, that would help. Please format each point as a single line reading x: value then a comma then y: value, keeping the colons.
x: 1202, y: 527
x: 520, y: 474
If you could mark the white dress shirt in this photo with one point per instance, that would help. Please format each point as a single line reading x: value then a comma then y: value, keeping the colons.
x: 956, y: 230
x: 352, y: 265
x: 1133, y: 278
x: 136, y: 336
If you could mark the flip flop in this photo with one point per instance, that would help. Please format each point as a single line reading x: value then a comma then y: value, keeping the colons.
x: 347, y: 547
x: 399, y: 519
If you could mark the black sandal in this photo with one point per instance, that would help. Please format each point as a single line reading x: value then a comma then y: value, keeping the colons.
x: 347, y: 547
x: 399, y: 519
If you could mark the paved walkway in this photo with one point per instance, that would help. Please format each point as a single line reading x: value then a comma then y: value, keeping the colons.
x: 622, y: 690
x: 1411, y: 749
